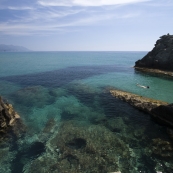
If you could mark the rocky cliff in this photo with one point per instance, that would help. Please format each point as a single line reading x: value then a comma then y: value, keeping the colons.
x: 7, y: 116
x: 161, y: 57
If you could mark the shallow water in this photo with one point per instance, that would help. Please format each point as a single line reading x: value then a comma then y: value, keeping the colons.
x: 69, y: 115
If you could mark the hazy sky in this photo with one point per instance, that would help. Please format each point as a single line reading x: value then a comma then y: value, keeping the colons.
x: 103, y: 25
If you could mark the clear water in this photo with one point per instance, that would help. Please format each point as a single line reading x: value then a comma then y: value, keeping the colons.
x: 63, y: 100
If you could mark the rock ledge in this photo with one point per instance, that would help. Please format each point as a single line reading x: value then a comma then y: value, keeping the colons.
x: 161, y: 111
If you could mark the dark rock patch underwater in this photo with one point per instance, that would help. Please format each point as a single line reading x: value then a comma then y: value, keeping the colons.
x: 61, y: 77
x: 25, y: 155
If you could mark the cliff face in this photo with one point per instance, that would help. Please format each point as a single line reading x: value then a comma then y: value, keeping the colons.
x: 161, y: 57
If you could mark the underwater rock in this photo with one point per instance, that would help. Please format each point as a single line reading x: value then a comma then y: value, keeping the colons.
x: 79, y: 147
x: 170, y: 132
x: 162, y: 148
x: 161, y: 57
x: 5, y: 159
x: 48, y: 130
x: 85, y: 93
x: 41, y: 165
x: 8, y: 116
x: 18, y: 129
x: 36, y: 96
x: 83, y: 148
x: 23, y: 156
x: 72, y: 109
x: 66, y: 115
x: 82, y: 88
x: 162, y: 112
x: 49, y: 125
x: 57, y: 92
x: 116, y: 125
x: 76, y: 143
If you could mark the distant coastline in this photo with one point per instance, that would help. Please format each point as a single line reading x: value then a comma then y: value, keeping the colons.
x: 12, y: 48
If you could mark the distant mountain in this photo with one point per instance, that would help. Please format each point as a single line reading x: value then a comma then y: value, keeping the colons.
x: 12, y: 48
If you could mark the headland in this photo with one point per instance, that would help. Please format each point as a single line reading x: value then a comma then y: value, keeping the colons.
x: 160, y: 59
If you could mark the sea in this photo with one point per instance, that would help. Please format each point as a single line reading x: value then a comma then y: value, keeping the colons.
x: 71, y: 123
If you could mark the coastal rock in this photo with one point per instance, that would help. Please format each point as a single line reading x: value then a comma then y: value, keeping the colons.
x: 164, y: 113
x: 7, y: 116
x: 161, y: 56
x: 141, y: 103
x: 160, y: 111
x: 83, y: 148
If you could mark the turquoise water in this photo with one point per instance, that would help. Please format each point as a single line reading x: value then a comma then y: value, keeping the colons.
x: 63, y: 100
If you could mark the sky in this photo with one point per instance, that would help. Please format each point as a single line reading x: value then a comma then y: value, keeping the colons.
x: 85, y: 25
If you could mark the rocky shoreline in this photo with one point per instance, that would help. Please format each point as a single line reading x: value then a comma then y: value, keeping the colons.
x: 8, y: 117
x: 161, y: 111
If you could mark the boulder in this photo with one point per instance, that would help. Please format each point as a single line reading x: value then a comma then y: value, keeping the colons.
x: 161, y: 56
x: 7, y: 116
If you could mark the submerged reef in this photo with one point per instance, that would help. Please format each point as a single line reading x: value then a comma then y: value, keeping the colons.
x: 79, y: 129
x: 81, y: 148
x: 36, y: 96
x: 87, y: 148
x: 162, y: 148
x: 160, y: 59
x: 77, y: 147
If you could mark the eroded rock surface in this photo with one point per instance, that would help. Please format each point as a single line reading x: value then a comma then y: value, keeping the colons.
x: 161, y: 56
x: 161, y: 111
x: 7, y: 116
x: 142, y: 103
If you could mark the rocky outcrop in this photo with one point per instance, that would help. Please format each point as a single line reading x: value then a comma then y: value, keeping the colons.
x: 141, y: 103
x: 161, y: 57
x: 162, y: 112
x: 7, y: 116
